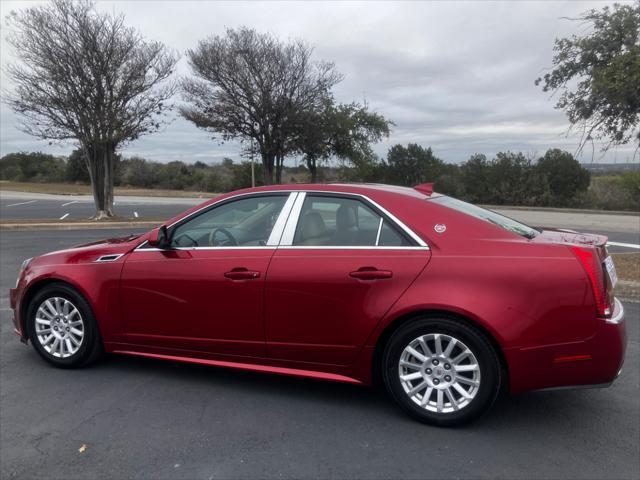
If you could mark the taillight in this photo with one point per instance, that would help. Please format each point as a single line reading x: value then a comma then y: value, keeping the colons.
x: 597, y: 277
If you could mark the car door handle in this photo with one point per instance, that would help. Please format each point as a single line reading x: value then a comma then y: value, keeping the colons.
x: 242, y: 273
x: 371, y: 273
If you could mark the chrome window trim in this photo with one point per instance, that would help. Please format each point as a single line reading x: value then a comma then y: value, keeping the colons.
x: 351, y: 247
x: 281, y: 221
x: 379, y: 231
x: 292, y: 223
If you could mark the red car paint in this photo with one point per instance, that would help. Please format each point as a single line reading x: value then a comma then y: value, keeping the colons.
x: 303, y: 312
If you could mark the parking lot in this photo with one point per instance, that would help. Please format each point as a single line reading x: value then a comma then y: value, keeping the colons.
x: 139, y: 418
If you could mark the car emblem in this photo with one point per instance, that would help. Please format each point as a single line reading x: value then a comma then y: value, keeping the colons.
x: 440, y: 227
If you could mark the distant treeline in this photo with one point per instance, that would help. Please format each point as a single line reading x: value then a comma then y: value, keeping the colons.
x: 553, y: 180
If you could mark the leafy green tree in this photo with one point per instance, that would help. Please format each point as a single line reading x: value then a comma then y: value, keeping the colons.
x: 344, y: 131
x: 564, y: 176
x: 76, y: 170
x: 412, y: 165
x: 597, y: 75
x: 475, y: 175
x: 32, y: 167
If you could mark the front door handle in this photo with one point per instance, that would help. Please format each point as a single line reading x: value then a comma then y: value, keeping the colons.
x: 371, y: 273
x: 241, y: 273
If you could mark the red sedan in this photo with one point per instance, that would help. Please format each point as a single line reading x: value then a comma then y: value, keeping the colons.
x: 446, y: 303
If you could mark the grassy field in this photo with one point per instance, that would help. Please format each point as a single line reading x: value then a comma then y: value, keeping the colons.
x: 79, y: 189
x: 627, y: 266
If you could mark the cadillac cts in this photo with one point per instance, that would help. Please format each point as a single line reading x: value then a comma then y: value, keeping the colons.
x: 447, y: 304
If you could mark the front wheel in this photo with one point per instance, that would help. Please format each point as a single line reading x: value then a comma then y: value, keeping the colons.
x: 441, y: 371
x: 62, y: 327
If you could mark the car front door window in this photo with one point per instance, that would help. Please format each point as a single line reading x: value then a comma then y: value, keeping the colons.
x: 246, y: 222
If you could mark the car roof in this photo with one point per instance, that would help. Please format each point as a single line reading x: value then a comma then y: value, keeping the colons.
x: 358, y: 188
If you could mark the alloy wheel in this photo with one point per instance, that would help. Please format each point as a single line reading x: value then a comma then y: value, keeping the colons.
x: 59, y: 327
x: 439, y: 373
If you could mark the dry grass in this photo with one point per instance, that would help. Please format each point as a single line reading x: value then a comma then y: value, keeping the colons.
x: 79, y: 189
x: 627, y: 266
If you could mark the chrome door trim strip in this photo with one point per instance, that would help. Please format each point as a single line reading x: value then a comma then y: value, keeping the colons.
x: 292, y: 222
x: 379, y: 231
x: 281, y: 222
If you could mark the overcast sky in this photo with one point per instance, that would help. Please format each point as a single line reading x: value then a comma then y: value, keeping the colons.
x: 455, y: 76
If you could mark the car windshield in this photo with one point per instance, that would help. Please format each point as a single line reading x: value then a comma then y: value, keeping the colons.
x: 487, y: 215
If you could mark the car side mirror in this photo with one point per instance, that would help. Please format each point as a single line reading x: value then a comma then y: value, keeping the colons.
x: 159, y: 238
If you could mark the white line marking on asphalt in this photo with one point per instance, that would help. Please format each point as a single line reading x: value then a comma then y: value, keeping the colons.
x: 626, y: 245
x: 135, y: 214
x: 64, y: 216
x: 69, y: 203
x: 21, y: 203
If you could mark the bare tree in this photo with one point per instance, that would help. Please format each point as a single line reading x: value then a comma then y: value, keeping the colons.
x: 250, y: 85
x: 85, y: 76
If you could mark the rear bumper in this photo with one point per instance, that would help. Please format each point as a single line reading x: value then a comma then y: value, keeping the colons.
x: 594, y: 362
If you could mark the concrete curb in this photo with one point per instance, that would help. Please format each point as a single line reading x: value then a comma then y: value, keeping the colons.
x: 79, y: 225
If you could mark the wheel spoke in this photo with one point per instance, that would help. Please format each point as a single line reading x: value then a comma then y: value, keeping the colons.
x: 404, y: 363
x: 440, y: 400
x: 75, y: 331
x: 462, y: 391
x: 43, y: 321
x: 466, y: 368
x: 411, y: 376
x: 438, y: 343
x: 44, y: 313
x: 467, y: 381
x: 426, y: 397
x: 44, y: 331
x: 67, y: 342
x: 425, y: 347
x: 417, y: 388
x: 450, y: 347
x: 416, y: 354
x: 452, y: 400
x: 48, y: 339
x: 461, y: 357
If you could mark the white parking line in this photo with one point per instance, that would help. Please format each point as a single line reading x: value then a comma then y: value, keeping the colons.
x: 21, y: 203
x: 64, y: 216
x: 626, y: 245
x: 69, y: 203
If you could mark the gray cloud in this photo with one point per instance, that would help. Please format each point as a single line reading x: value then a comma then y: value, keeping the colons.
x: 456, y: 76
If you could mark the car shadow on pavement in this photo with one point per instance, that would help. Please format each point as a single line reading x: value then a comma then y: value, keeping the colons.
x: 567, y: 408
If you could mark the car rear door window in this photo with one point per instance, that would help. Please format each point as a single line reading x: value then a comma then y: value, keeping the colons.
x: 343, y: 222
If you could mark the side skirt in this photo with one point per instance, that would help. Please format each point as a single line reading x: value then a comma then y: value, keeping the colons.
x: 246, y: 366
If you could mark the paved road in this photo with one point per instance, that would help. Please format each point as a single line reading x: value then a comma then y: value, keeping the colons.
x: 150, y: 419
x: 19, y: 205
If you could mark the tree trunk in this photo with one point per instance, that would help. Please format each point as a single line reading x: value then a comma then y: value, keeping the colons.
x: 268, y: 161
x: 313, y: 169
x: 100, y: 165
x: 279, y: 165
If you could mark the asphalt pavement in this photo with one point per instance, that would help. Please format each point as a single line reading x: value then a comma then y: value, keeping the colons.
x: 137, y: 418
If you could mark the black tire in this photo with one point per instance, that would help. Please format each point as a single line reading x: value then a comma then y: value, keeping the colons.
x: 90, y: 348
x: 490, y: 371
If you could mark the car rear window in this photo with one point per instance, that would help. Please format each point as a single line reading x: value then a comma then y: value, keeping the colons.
x: 487, y: 215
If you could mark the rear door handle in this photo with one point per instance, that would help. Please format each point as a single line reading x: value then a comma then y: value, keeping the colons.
x: 241, y: 273
x: 371, y: 273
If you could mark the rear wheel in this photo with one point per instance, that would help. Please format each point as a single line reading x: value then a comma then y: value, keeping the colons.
x: 62, y: 327
x: 441, y: 371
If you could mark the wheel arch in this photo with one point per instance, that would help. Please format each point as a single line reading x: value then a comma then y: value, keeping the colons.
x: 398, y: 322
x: 32, y: 291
